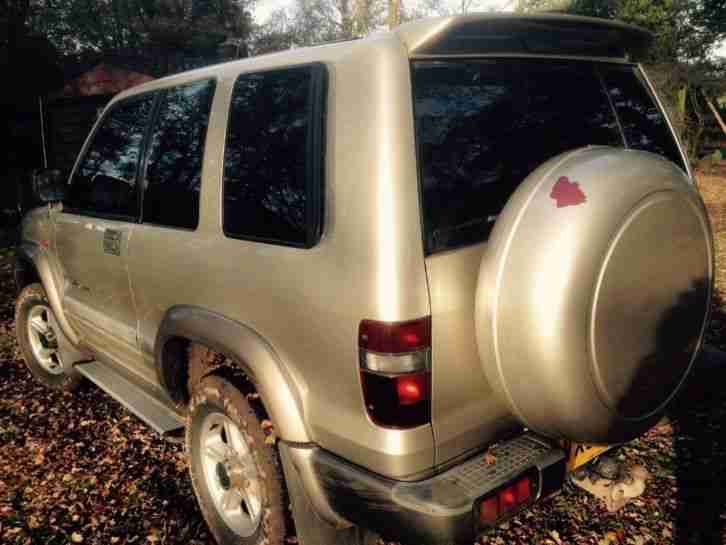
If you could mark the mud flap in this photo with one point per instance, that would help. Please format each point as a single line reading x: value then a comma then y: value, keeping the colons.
x: 69, y: 354
x: 310, y: 528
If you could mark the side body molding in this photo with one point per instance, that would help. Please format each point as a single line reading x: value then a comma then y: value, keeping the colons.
x: 31, y: 253
x: 248, y: 349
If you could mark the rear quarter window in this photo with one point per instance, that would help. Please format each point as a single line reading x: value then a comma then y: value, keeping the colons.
x: 273, y: 160
x: 482, y: 126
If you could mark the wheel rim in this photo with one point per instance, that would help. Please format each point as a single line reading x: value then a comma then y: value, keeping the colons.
x: 43, y: 339
x: 230, y: 474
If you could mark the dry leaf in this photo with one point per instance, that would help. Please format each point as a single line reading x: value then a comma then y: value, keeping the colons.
x: 489, y: 458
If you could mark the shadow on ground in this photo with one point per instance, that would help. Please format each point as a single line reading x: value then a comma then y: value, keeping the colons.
x: 698, y: 417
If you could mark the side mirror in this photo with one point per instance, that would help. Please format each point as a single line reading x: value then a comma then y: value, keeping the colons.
x: 49, y: 185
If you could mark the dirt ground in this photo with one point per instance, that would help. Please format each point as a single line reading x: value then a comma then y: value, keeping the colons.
x: 80, y: 469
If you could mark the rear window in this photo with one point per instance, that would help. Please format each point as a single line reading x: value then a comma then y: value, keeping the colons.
x: 644, y: 126
x: 483, y: 126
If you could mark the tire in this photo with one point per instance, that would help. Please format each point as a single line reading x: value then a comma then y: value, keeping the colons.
x: 201, y: 363
x: 237, y: 477
x: 38, y: 345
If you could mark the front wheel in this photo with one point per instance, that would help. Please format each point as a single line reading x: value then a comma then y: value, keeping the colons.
x: 38, y: 336
x: 236, y: 476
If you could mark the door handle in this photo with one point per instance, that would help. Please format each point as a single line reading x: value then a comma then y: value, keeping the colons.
x: 112, y: 242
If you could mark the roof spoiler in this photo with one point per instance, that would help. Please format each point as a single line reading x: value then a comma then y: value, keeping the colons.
x: 545, y: 34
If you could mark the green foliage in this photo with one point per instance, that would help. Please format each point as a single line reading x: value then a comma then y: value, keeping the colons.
x: 276, y: 35
x: 197, y: 25
x: 167, y: 30
x: 310, y: 22
x: 24, y: 53
x: 75, y: 26
x: 713, y: 15
x: 426, y: 8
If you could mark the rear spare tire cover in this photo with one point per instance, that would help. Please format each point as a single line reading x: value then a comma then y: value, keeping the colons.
x: 593, y: 293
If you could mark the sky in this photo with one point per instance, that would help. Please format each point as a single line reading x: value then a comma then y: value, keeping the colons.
x: 265, y: 7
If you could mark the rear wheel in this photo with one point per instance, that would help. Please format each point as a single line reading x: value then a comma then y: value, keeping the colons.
x: 219, y: 415
x: 236, y: 476
x: 37, y: 332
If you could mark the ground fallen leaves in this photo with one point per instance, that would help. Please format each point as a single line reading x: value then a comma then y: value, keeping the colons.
x: 77, y: 468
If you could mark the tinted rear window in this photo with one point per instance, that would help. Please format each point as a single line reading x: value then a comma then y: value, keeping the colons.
x: 483, y: 126
x: 643, y: 123
x: 273, y: 157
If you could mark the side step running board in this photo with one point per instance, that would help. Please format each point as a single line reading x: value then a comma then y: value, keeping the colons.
x: 149, y: 406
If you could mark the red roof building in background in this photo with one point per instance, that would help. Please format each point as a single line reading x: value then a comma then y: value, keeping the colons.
x: 102, y: 79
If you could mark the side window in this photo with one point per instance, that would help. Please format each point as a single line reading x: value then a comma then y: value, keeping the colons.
x: 176, y: 151
x: 273, y: 157
x: 643, y: 123
x: 105, y: 181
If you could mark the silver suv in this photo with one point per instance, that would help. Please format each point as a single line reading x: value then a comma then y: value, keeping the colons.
x: 390, y: 278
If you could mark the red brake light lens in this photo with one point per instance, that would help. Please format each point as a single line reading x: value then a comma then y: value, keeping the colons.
x: 398, y: 401
x: 523, y: 490
x: 412, y: 389
x: 505, y: 500
x: 489, y: 510
x: 395, y: 337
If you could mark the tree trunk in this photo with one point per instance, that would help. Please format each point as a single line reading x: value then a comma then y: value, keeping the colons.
x: 717, y: 115
x: 394, y: 13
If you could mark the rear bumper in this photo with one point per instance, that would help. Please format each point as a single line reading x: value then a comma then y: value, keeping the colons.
x: 438, y: 510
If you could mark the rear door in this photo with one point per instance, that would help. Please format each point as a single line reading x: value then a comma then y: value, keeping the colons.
x: 482, y: 126
x: 95, y: 226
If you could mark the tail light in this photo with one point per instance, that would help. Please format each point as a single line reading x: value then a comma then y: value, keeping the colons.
x: 395, y: 364
x: 507, y: 499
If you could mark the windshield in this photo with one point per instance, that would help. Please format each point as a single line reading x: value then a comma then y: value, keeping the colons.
x: 482, y: 126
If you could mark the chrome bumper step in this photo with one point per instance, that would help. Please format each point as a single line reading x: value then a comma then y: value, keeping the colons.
x: 457, y: 488
x: 141, y: 400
